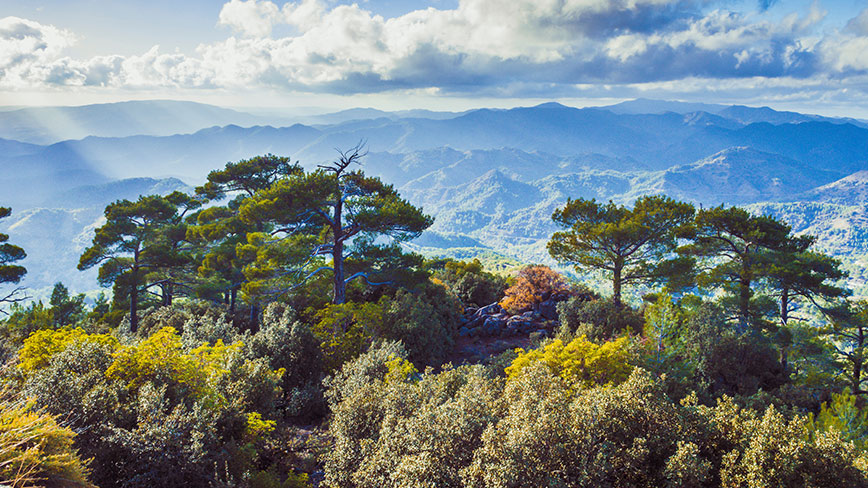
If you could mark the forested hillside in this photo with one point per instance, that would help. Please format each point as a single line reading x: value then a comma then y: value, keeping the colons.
x: 271, y: 326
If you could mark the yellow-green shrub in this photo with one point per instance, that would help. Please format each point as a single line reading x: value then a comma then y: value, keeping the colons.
x: 581, y: 363
x: 842, y: 417
x: 42, y: 345
x: 345, y: 331
x: 161, y: 359
x: 35, y: 450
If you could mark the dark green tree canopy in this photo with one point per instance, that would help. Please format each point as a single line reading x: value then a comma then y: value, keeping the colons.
x: 9, y: 254
x: 325, y: 210
x: 633, y: 245
x: 135, y: 240
x: 736, y: 247
x: 247, y: 176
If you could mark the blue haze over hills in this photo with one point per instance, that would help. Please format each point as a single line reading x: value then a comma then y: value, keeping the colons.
x: 491, y: 178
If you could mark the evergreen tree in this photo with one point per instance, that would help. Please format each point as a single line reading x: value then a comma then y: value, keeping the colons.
x: 10, y: 253
x: 314, y: 214
x: 219, y: 230
x: 735, y: 246
x: 65, y: 309
x: 130, y: 244
x: 633, y: 246
x: 847, y: 332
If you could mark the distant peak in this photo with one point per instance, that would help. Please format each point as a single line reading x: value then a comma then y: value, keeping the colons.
x: 551, y: 105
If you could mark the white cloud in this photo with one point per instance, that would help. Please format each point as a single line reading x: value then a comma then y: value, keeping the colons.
x: 250, y: 17
x: 25, y: 46
x: 494, y: 46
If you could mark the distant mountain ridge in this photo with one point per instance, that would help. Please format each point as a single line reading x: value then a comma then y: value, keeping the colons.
x: 490, y: 177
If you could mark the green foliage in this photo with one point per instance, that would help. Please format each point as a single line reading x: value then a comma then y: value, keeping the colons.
x: 469, y: 282
x: 393, y: 431
x: 771, y: 451
x: 153, y: 413
x: 735, y: 243
x: 345, y: 331
x: 599, y: 319
x: 725, y: 360
x: 289, y: 345
x: 424, y: 320
x: 66, y: 310
x: 847, y: 332
x: 841, y: 416
x: 632, y: 246
x: 579, y: 363
x: 319, y: 213
x: 35, y: 450
x: 25, y: 320
x: 9, y: 253
x: 356, y: 374
x: 462, y: 428
x: 137, y: 237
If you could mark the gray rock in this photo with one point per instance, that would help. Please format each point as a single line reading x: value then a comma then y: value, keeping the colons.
x: 549, y: 309
x: 492, y: 309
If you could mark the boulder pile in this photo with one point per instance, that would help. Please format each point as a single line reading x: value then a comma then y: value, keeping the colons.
x: 493, y: 321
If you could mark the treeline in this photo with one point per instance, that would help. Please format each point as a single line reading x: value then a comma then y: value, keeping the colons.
x: 269, y: 330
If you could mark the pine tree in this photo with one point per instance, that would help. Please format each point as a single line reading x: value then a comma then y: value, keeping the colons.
x: 633, y: 246
x: 315, y: 214
x: 10, y: 253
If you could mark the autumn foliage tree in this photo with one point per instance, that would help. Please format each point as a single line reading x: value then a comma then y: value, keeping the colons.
x: 534, y: 285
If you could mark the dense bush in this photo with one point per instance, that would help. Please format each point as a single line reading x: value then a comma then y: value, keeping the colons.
x: 424, y: 320
x: 467, y: 281
x: 463, y: 428
x: 288, y: 345
x: 727, y: 361
x: 152, y: 412
x: 398, y: 431
x: 598, y: 320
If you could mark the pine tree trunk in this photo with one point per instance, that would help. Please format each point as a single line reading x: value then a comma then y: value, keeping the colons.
x: 134, y: 301
x: 340, y: 288
x: 785, y: 305
x: 616, y: 285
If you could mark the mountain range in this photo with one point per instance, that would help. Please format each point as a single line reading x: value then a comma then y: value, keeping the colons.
x: 491, y: 178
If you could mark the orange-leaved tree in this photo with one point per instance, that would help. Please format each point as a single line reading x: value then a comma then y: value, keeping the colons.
x: 534, y: 285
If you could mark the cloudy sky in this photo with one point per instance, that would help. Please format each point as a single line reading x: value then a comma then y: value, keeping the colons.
x: 808, y: 55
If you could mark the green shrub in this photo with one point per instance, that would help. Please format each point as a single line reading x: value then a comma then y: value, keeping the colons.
x: 392, y: 430
x: 424, y: 320
x: 599, y: 320
x: 288, y: 345
x: 467, y: 281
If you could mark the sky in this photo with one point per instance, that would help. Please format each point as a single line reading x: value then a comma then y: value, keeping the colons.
x: 804, y: 55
